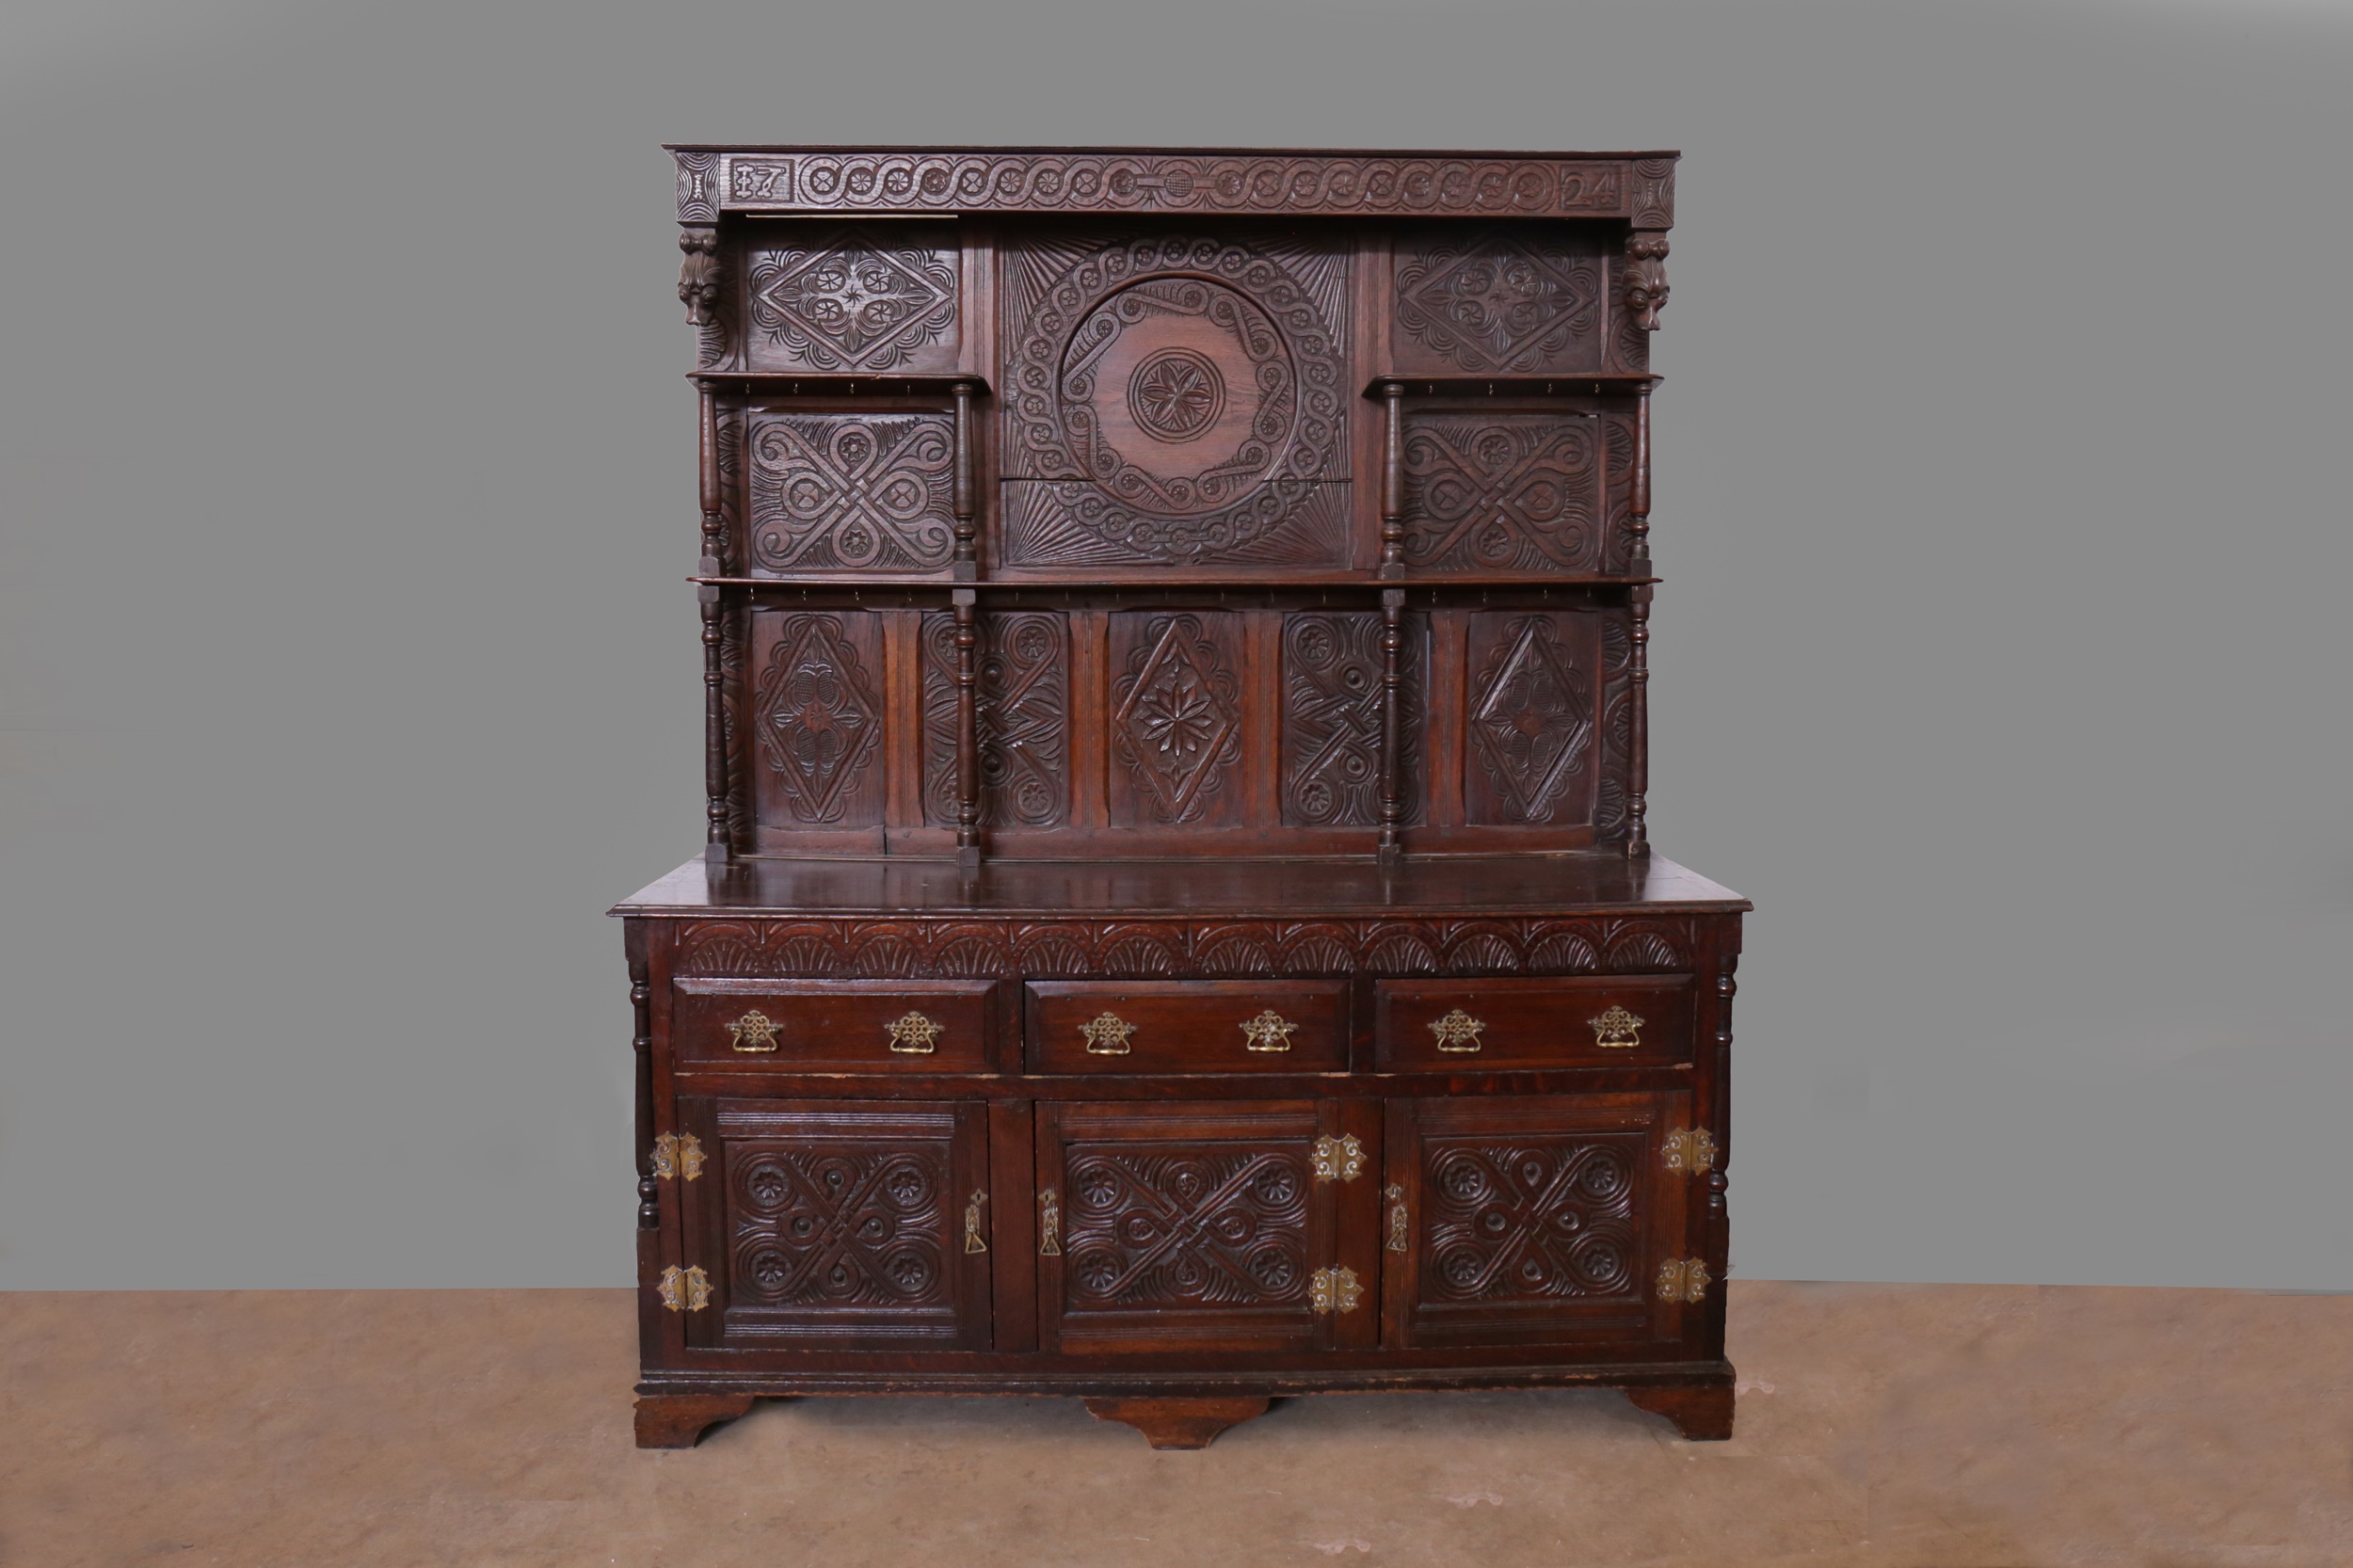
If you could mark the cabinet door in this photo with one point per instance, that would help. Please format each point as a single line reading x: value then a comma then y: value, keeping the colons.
x: 839, y: 1224
x: 1530, y: 1219
x: 1207, y: 1224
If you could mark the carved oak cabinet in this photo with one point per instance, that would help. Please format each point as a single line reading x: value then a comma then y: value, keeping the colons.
x: 1177, y: 924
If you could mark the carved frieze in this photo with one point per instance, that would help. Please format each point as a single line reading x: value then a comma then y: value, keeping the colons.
x: 851, y: 492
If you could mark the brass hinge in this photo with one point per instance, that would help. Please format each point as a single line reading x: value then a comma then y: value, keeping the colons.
x: 678, y: 1154
x: 1341, y: 1158
x: 1398, y: 1240
x: 1049, y: 1224
x: 1692, y: 1151
x: 1682, y: 1279
x: 685, y: 1290
x: 972, y: 1240
x: 1333, y: 1290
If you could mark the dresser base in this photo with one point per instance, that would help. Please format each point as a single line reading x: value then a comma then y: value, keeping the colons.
x: 1188, y: 1411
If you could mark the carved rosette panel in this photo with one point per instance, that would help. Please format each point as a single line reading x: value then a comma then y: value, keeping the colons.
x: 1505, y: 302
x: 1186, y: 950
x: 818, y: 713
x: 839, y: 1224
x: 1499, y: 492
x: 1531, y: 720
x: 1530, y: 1219
x: 1178, y: 1226
x: 856, y: 300
x: 845, y: 492
x: 897, y: 180
x: 1172, y: 398
x: 1176, y: 717
x: 1331, y: 751
x: 1023, y: 671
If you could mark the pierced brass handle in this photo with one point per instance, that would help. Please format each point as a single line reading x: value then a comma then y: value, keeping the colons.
x: 1458, y: 1032
x: 1617, y: 1030
x: 1107, y: 1035
x: 1333, y: 1290
x: 1398, y: 1219
x: 1268, y: 1031
x: 972, y: 1240
x: 1049, y: 1224
x: 915, y: 1035
x: 753, y: 1032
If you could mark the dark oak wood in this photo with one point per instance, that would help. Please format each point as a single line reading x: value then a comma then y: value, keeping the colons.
x: 1177, y: 925
x: 1176, y: 1423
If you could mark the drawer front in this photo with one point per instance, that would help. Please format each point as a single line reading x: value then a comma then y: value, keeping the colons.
x: 1188, y: 1025
x: 863, y: 1025
x: 1588, y: 1022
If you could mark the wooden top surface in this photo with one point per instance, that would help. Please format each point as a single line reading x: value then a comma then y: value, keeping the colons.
x: 1548, y: 884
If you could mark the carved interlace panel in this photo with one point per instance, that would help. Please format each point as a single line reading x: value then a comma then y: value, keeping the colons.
x: 842, y: 492
x: 1172, y: 398
x: 1503, y: 492
x: 1176, y: 720
x: 1023, y: 698
x: 828, y: 1224
x: 1533, y: 1219
x: 1531, y: 719
x: 1505, y: 302
x: 1332, y: 666
x: 818, y: 713
x: 1186, y: 950
x: 1176, y: 1226
x: 855, y: 299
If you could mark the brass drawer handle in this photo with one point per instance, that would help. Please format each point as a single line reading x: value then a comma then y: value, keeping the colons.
x: 1617, y: 1030
x: 1107, y: 1035
x: 754, y: 1032
x: 1268, y: 1031
x: 915, y: 1035
x: 1458, y: 1032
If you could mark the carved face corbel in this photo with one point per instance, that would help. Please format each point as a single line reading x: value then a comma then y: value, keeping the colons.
x: 698, y: 274
x: 1645, y: 279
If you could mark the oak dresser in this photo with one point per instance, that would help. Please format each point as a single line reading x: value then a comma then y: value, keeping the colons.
x: 1177, y: 924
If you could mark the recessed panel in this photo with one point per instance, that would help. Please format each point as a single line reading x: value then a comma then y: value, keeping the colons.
x: 817, y: 714
x: 1531, y: 718
x: 853, y: 298
x: 1513, y: 300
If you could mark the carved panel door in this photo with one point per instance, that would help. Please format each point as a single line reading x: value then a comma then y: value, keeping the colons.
x: 1533, y: 1220
x: 1207, y: 1224
x: 839, y: 1224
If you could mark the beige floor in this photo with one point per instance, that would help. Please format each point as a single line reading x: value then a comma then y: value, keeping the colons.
x: 1944, y: 1427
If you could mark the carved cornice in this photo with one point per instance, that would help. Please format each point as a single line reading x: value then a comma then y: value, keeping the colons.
x: 1638, y: 187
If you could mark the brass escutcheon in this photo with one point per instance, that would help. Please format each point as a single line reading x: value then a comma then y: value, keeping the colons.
x: 973, y: 1239
x: 1398, y: 1219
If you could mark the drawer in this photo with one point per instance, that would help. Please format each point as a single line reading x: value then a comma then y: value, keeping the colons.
x: 1188, y: 1025
x: 859, y: 1026
x: 1588, y: 1022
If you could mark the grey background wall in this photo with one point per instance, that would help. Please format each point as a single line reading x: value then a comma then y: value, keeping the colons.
x: 346, y: 674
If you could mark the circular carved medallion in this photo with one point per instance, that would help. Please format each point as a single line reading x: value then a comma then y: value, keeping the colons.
x: 1176, y: 395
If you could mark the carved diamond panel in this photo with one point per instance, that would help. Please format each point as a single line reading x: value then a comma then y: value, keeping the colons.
x: 1501, y: 492
x: 840, y: 492
x: 1172, y: 398
x: 1175, y: 1226
x: 1531, y: 1219
x: 1510, y: 301
x: 1023, y: 698
x: 1531, y: 718
x: 1177, y: 718
x: 818, y: 713
x: 1332, y: 666
x: 856, y: 300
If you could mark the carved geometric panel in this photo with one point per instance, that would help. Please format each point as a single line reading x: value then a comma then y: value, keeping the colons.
x: 1177, y: 718
x: 1173, y: 1226
x: 817, y: 711
x: 1613, y: 791
x: 1509, y: 301
x: 1181, y: 396
x: 1531, y: 1219
x: 1022, y: 666
x: 1332, y: 669
x: 1532, y: 714
x: 856, y: 300
x: 1501, y: 492
x: 842, y: 492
